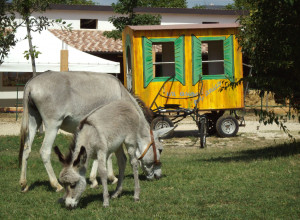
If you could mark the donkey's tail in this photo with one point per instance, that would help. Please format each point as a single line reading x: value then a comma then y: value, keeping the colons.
x: 24, y: 124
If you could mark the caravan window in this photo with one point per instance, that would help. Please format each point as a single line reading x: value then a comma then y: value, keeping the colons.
x: 216, y: 62
x: 162, y: 59
x: 213, y: 58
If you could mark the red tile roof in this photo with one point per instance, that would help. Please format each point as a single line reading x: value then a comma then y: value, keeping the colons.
x: 94, y: 41
x: 88, y: 40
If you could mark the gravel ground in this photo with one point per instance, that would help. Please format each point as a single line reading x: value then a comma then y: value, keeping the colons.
x: 187, y: 127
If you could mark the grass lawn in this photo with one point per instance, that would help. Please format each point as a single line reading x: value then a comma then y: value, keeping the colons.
x: 242, y: 181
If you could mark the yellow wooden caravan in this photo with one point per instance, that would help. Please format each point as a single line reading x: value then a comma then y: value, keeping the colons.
x: 181, y: 68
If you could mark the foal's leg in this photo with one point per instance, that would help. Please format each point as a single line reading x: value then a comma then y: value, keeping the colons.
x: 93, y: 174
x: 110, y: 172
x: 121, y: 157
x: 34, y: 122
x: 45, y: 152
x: 135, y: 167
x: 103, y: 176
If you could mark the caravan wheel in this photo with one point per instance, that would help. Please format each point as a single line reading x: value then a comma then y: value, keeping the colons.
x: 227, y: 126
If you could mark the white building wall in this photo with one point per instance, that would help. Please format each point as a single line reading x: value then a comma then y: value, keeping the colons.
x: 196, y: 18
x: 74, y: 16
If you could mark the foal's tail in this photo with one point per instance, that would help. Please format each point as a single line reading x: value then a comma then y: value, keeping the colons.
x: 25, y: 122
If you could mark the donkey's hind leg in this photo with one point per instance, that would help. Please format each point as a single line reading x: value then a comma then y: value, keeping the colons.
x: 121, y: 157
x: 110, y: 173
x: 34, y: 122
x: 45, y: 152
x: 93, y: 174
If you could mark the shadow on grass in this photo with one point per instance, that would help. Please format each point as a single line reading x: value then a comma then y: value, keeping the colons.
x: 44, y: 184
x: 282, y: 150
x: 189, y: 133
x: 142, y: 177
x: 98, y: 197
x: 186, y: 133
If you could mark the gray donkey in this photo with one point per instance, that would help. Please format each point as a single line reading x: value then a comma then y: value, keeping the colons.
x: 103, y: 132
x: 62, y: 100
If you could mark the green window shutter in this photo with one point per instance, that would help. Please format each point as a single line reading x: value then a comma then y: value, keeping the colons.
x: 196, y: 59
x: 147, y: 61
x: 179, y: 59
x: 228, y: 58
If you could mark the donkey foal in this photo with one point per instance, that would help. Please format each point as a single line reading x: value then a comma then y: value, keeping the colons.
x: 103, y: 132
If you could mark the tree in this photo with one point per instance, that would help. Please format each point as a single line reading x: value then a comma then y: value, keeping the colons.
x: 126, y: 7
x: 269, y: 37
x: 7, y: 30
x: 197, y: 6
x: 73, y: 2
x: 164, y: 3
x: 24, y: 9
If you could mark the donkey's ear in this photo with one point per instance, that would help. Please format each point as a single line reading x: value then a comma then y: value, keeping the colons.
x: 163, y: 132
x: 81, y: 158
x: 59, y: 154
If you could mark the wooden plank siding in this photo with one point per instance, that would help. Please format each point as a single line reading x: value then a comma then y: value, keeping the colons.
x: 211, y: 98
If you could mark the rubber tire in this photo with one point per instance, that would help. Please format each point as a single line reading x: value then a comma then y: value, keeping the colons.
x: 231, y: 121
x: 162, y: 122
x: 203, y: 134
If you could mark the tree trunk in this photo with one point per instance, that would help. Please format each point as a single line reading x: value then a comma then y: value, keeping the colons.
x: 40, y: 129
x: 30, y: 48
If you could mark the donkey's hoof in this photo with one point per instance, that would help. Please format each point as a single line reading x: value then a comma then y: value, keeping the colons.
x: 114, y: 181
x: 94, y: 185
x: 105, y: 205
x: 25, y: 188
x: 115, y: 195
x: 136, y: 199
x: 59, y: 188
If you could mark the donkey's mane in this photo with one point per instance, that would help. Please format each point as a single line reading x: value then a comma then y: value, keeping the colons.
x: 147, y: 113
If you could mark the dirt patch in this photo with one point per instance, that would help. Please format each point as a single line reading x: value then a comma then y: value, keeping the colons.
x: 186, y: 134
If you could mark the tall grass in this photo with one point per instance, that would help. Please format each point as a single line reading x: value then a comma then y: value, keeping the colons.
x: 246, y: 182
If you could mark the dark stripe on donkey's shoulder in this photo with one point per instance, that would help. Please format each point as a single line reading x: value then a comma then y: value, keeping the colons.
x: 69, y: 157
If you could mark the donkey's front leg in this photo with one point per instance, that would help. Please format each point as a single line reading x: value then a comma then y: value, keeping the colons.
x: 121, y: 158
x: 103, y: 176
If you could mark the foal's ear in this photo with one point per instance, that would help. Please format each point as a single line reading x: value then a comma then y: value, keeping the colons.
x: 163, y: 132
x: 81, y: 158
x: 59, y: 154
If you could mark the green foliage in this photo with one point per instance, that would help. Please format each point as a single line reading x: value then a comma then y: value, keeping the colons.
x: 73, y: 2
x: 163, y: 3
x: 270, y: 39
x: 197, y: 6
x: 126, y: 7
x: 34, y: 52
x: 230, y: 6
x: 7, y: 30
